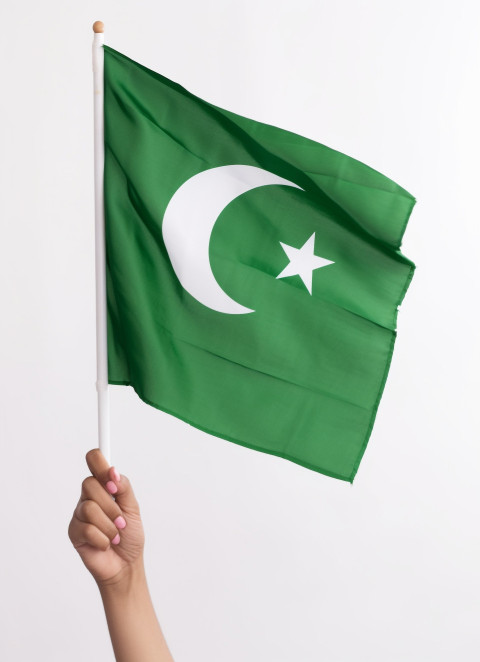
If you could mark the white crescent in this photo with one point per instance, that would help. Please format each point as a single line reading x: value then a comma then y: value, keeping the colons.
x: 188, y: 223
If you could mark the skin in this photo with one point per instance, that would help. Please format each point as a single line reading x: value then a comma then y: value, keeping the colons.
x: 106, y: 530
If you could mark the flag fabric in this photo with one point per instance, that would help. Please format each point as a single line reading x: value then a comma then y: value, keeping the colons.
x: 253, y: 275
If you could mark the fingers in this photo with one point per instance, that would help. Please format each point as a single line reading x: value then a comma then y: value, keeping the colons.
x: 118, y: 486
x: 89, y: 513
x: 84, y: 533
x: 98, y: 517
x: 93, y: 492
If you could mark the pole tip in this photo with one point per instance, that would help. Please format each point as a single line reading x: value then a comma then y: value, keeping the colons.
x: 98, y: 27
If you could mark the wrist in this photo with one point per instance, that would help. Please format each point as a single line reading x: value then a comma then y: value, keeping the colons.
x: 127, y: 580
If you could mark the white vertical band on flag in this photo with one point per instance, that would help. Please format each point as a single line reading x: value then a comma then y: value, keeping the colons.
x: 100, y: 261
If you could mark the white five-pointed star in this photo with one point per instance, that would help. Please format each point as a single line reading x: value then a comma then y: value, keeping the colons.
x: 303, y: 262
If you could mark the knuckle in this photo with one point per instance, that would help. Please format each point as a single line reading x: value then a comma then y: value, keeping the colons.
x: 95, y: 537
x: 89, y: 509
x: 89, y: 531
x: 87, y: 483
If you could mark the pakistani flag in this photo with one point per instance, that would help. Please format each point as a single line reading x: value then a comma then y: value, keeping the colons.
x: 253, y: 275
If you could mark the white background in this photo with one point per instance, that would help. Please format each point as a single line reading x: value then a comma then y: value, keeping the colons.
x: 249, y: 557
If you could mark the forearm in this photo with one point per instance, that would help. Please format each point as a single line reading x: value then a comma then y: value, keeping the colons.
x: 134, y: 629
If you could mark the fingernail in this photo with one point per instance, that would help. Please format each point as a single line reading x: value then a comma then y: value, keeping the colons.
x: 111, y: 487
x: 119, y: 522
x: 116, y: 475
x: 116, y: 540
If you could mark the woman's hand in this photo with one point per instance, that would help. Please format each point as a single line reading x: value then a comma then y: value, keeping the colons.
x: 106, y: 528
x: 107, y: 532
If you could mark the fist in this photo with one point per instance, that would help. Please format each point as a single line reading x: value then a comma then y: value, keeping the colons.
x: 106, y: 527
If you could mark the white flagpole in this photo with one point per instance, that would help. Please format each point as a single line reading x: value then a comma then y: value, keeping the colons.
x: 100, y: 262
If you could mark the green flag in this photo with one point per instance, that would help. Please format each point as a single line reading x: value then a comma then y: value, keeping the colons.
x: 253, y: 275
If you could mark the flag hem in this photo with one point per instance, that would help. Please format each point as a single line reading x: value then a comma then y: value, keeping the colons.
x: 284, y: 456
x: 384, y: 379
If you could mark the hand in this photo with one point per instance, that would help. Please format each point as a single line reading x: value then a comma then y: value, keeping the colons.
x: 106, y: 527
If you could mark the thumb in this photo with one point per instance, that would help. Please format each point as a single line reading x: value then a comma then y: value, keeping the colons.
x: 120, y: 487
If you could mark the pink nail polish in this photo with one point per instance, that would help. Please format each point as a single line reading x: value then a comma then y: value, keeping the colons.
x: 111, y: 487
x: 116, y: 540
x: 119, y: 522
x: 116, y: 475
